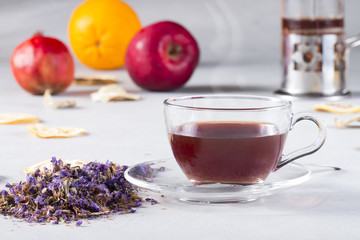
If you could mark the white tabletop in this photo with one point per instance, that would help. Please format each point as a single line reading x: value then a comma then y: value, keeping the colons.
x: 128, y: 133
x: 325, y: 207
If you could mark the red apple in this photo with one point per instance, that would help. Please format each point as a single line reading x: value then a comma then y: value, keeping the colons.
x: 162, y: 56
x: 41, y: 63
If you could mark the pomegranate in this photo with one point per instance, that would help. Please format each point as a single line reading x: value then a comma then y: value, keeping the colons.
x: 41, y: 63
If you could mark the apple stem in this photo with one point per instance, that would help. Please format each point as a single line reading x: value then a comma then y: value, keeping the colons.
x: 38, y: 33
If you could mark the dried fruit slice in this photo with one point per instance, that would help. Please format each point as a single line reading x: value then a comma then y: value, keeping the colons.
x: 337, y: 108
x: 95, y: 80
x: 342, y: 124
x: 48, y: 164
x: 12, y: 118
x: 113, y: 92
x: 55, y: 132
x: 50, y: 103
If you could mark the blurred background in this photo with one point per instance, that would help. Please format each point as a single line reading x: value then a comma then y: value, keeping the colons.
x: 242, y: 34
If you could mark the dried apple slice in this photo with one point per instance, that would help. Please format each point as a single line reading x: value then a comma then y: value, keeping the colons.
x: 43, y: 131
x: 13, y: 118
x: 50, y: 103
x: 337, y: 108
x: 346, y: 123
x: 95, y: 80
x: 113, y: 92
x: 48, y: 164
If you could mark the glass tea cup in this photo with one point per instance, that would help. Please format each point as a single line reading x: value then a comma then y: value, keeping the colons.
x: 233, y: 138
x: 315, y: 51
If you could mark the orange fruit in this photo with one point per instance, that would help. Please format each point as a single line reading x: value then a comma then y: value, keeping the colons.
x: 100, y: 31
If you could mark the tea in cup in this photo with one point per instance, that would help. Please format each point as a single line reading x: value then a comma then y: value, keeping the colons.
x: 233, y: 138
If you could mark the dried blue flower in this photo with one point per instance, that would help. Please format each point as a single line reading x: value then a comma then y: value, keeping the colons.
x: 151, y: 200
x: 71, y: 193
x: 4, y: 193
x: 58, y: 212
x: 64, y: 173
x: 18, y: 199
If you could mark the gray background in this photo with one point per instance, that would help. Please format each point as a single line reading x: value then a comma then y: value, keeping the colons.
x: 239, y: 39
x: 228, y: 31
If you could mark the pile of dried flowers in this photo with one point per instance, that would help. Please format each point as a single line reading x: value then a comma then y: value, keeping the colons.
x: 66, y: 193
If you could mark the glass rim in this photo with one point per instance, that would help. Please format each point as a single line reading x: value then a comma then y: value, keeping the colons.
x: 277, y: 102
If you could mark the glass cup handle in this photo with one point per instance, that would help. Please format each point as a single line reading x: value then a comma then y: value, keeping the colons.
x: 287, y: 158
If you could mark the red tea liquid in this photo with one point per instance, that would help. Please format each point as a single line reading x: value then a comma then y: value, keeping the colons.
x: 313, y: 26
x: 227, y: 152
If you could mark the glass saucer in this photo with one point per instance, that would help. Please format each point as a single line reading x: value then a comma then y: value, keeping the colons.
x: 166, y: 177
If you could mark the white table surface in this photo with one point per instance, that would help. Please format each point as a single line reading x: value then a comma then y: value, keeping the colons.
x: 325, y: 207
